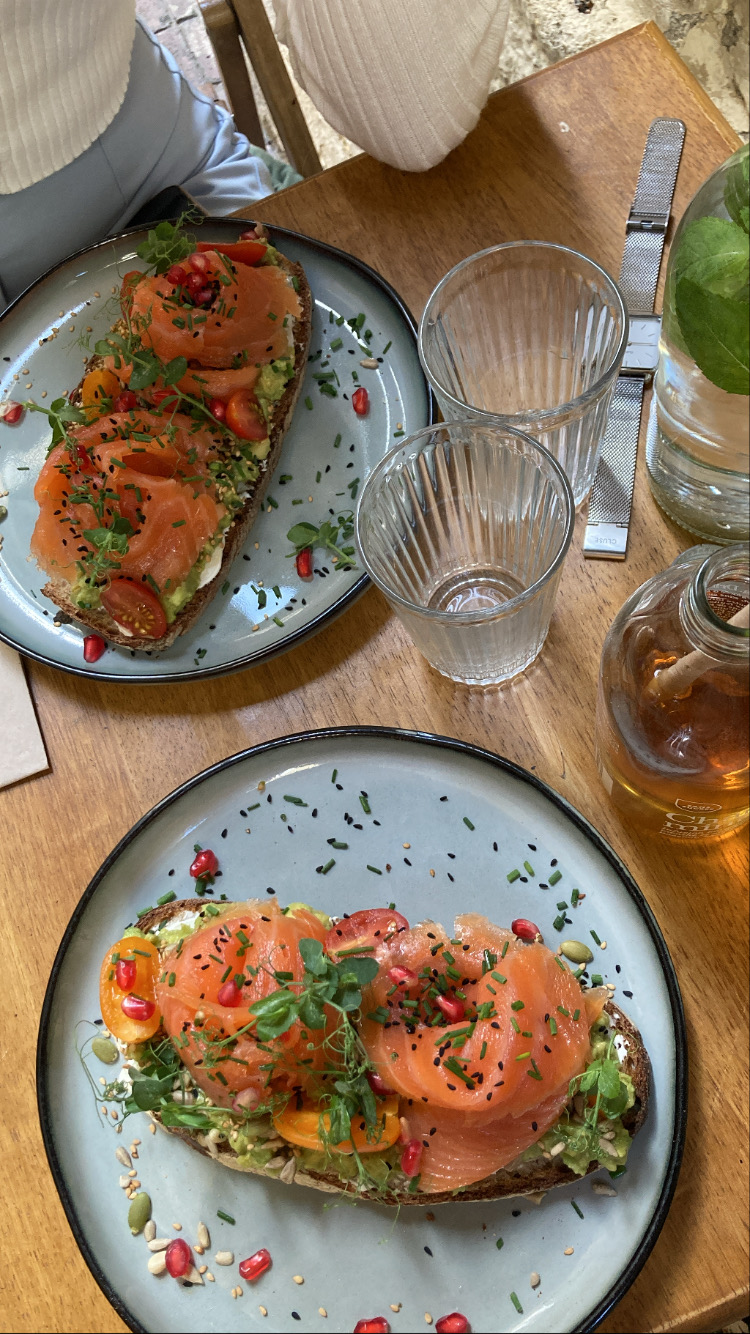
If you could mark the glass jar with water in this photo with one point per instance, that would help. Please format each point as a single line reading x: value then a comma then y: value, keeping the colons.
x: 698, y: 456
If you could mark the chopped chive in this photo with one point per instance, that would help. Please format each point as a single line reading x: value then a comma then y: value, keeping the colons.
x: 226, y: 973
x: 499, y: 1243
x: 483, y: 1051
x: 556, y: 875
x: 211, y: 909
x: 523, y: 1056
x: 375, y: 869
x: 577, y: 1209
x: 334, y: 775
x: 517, y: 1005
x: 576, y: 1016
x: 254, y: 807
x: 171, y: 979
x: 515, y: 1024
x: 559, y: 923
x: 273, y: 503
x: 364, y: 803
x: 226, y: 1217
x: 498, y: 977
x: 529, y: 868
x: 337, y: 442
x: 336, y: 344
x: 562, y: 906
x: 278, y: 621
x: 325, y: 869
x: 387, y: 346
x: 505, y: 949
x: 308, y: 402
x: 380, y: 1016
x: 143, y: 953
x: 561, y: 1010
x: 334, y: 842
x: 468, y: 823
x: 595, y: 938
x: 516, y: 1303
x: 513, y: 875
x: 553, y: 1025
x: 451, y: 1064
x: 296, y: 801
x: 597, y: 980
x: 575, y: 896
x: 142, y: 912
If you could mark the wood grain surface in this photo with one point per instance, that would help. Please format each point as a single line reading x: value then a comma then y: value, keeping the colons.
x: 555, y: 157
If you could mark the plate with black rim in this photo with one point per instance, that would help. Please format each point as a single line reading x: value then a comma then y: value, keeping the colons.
x: 437, y: 827
x: 263, y: 607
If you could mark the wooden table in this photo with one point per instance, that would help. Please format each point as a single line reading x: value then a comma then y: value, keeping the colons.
x: 555, y: 157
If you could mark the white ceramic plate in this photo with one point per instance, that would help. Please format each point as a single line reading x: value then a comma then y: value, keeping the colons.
x: 358, y: 1260
x: 263, y: 607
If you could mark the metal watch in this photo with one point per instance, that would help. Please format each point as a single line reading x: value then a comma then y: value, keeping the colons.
x: 611, y: 498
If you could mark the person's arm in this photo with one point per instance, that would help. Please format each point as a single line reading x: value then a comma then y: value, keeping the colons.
x: 405, y: 80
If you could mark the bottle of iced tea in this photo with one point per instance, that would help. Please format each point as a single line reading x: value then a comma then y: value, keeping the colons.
x: 672, y: 711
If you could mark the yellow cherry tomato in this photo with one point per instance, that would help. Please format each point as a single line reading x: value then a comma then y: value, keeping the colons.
x: 302, y: 1128
x: 127, y: 989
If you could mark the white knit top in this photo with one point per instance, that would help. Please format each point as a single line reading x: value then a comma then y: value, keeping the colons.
x: 403, y: 79
x: 63, y: 73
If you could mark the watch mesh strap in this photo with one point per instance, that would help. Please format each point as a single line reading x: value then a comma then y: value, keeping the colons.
x: 612, y: 493
x: 649, y: 216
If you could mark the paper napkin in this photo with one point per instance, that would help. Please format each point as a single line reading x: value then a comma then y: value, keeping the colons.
x: 22, y: 750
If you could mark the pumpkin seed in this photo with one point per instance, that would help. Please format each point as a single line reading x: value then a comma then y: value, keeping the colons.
x: 204, y: 1239
x: 576, y: 951
x: 157, y: 1263
x: 105, y: 1050
x: 139, y: 1212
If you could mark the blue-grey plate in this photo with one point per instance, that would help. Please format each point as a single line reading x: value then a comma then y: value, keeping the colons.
x: 434, y: 805
x: 263, y: 607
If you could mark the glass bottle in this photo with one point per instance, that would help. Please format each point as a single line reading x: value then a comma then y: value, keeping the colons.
x: 698, y: 456
x: 672, y: 717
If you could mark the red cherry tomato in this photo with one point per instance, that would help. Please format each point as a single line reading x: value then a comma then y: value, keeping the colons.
x: 177, y: 275
x: 218, y: 409
x: 133, y: 606
x: 247, y: 250
x: 93, y: 647
x: 361, y: 401
x: 125, y: 402
x: 364, y: 930
x: 244, y: 416
x: 205, y: 863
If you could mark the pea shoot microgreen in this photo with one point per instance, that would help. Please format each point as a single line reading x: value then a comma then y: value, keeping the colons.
x: 333, y: 535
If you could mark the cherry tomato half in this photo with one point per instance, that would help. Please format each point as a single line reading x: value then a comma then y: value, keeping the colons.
x: 244, y: 416
x: 133, y: 606
x: 146, y: 958
x: 240, y: 252
x: 364, y: 930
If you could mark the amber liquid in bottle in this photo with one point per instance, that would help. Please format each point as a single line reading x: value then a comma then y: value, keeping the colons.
x: 678, y: 765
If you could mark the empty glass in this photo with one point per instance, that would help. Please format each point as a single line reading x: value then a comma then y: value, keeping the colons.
x: 531, y: 335
x: 464, y: 528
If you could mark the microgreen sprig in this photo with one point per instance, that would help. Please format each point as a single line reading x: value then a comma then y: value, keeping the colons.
x: 333, y: 535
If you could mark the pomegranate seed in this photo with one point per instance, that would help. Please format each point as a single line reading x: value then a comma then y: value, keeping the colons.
x: 160, y: 396
x: 411, y: 1157
x: 256, y: 1265
x: 455, y: 1323
x: 194, y: 283
x: 403, y: 977
x: 361, y: 401
x: 204, y: 296
x: 199, y: 263
x: 179, y: 1258
x: 176, y: 275
x: 377, y: 1084
x: 246, y: 1101
x: 218, y: 409
x: 93, y: 647
x: 250, y: 235
x: 135, y: 1007
x: 11, y: 413
x: 526, y: 930
x: 125, y: 971
x: 125, y: 402
x: 229, y: 994
x: 304, y: 563
x: 378, y: 1325
x: 205, y: 863
x: 453, y: 1009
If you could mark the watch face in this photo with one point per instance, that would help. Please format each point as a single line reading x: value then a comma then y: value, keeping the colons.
x: 642, y: 351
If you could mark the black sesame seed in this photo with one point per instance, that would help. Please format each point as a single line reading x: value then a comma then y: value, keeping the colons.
x: 629, y: 994
x: 427, y: 1250
x: 516, y: 1213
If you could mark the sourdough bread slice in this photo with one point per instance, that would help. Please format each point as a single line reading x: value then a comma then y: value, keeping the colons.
x: 534, y: 1177
x: 97, y: 619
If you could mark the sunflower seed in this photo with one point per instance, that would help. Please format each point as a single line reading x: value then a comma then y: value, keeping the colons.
x: 123, y: 1156
x: 204, y: 1239
x: 158, y: 1243
x: 157, y: 1263
x: 288, y: 1171
x: 602, y: 1188
x: 224, y: 1257
x: 149, y: 1230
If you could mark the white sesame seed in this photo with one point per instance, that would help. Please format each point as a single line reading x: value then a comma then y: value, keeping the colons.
x: 322, y: 1311
x: 298, y: 1279
x: 210, y: 1278
x: 395, y: 1306
x: 177, y: 1227
x: 427, y: 1318
x: 263, y: 1310
x: 603, y: 945
x: 568, y: 1250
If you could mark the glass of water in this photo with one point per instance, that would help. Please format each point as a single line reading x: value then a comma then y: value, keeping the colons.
x: 531, y: 335
x: 465, y: 528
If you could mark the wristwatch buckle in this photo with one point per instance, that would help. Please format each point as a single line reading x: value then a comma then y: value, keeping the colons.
x: 641, y: 221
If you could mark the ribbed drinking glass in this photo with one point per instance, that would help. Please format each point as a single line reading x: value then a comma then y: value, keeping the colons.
x: 464, y: 528
x: 531, y: 335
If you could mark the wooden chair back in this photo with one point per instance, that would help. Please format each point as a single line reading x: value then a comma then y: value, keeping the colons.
x: 232, y: 25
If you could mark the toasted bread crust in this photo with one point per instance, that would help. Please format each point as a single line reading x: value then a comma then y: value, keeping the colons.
x: 97, y: 619
x: 532, y: 1178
